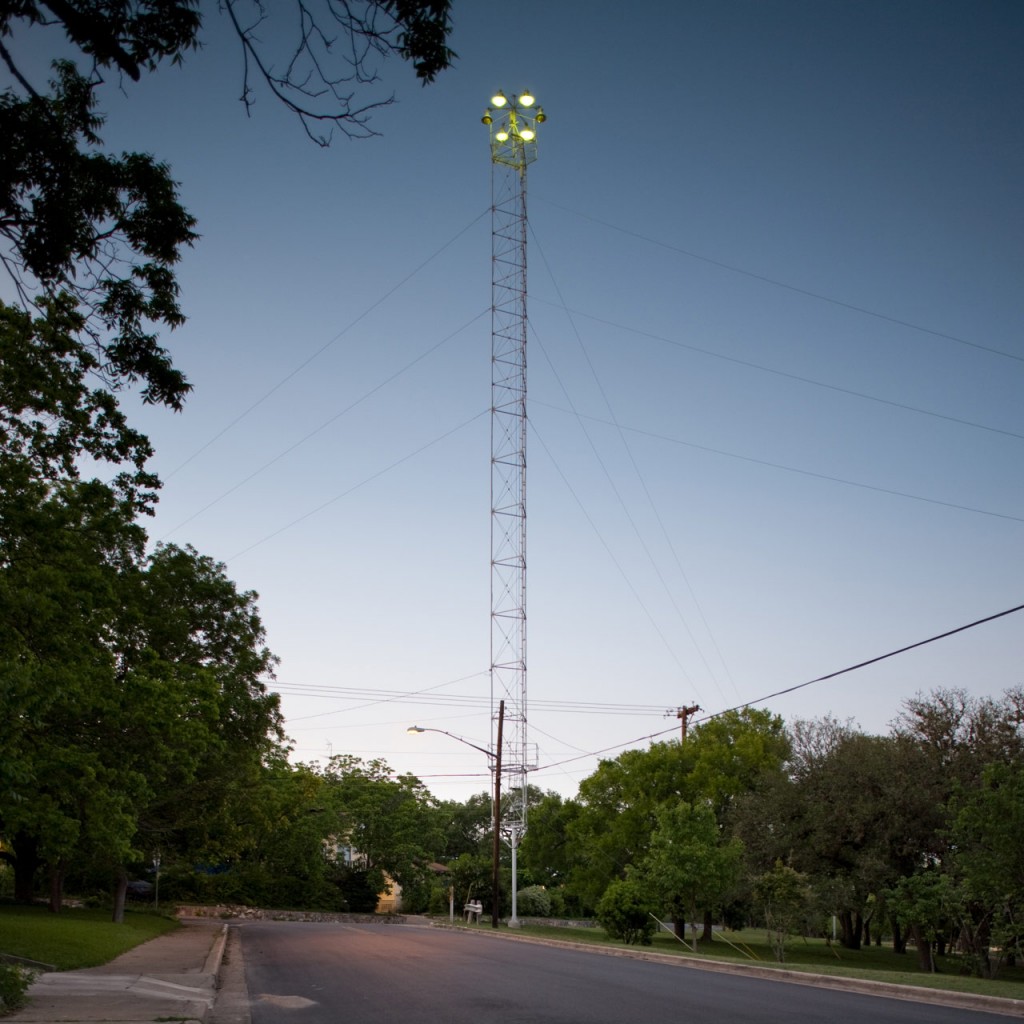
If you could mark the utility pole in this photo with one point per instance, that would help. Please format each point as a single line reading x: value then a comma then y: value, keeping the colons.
x: 512, y: 125
x: 494, y: 756
x: 684, y: 714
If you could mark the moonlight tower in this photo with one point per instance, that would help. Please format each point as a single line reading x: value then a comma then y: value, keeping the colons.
x: 512, y: 122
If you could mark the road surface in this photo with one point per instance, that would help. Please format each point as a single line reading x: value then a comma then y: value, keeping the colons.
x: 383, y: 974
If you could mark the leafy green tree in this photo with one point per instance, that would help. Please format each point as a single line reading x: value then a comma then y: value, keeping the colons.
x: 188, y: 634
x: 466, y: 826
x: 617, y: 813
x: 618, y: 804
x: 962, y: 735
x: 965, y: 742
x: 55, y: 408
x: 733, y: 753
x: 133, y: 688
x: 62, y: 555
x: 924, y: 903
x: 687, y: 867
x: 986, y: 827
x: 388, y: 822
x: 846, y: 817
x: 471, y: 875
x: 547, y: 851
x: 69, y: 213
x: 784, y: 896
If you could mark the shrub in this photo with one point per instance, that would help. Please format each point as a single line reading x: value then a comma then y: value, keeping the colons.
x: 14, y: 983
x: 533, y: 901
x: 624, y: 912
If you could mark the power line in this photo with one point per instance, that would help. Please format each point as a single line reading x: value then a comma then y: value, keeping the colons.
x: 326, y: 423
x: 428, y: 699
x: 789, y: 287
x: 323, y: 348
x: 362, y: 483
x: 798, y: 686
x: 783, y: 373
x: 792, y: 469
x: 643, y: 484
x: 873, y: 661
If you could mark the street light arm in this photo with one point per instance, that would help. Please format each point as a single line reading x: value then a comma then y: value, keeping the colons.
x: 496, y: 809
x: 445, y: 732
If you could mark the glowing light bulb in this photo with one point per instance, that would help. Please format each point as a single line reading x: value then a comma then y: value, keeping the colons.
x: 527, y: 99
x: 498, y: 99
x: 527, y: 134
x: 501, y: 135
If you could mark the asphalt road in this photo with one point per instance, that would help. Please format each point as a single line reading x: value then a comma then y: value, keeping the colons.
x: 376, y: 974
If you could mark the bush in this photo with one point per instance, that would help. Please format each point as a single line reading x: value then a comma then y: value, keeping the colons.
x: 14, y: 983
x: 533, y: 901
x: 624, y: 912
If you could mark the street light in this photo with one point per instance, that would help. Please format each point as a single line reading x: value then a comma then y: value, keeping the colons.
x: 496, y: 757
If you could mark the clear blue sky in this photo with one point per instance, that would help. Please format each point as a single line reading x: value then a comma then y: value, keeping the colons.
x: 775, y: 368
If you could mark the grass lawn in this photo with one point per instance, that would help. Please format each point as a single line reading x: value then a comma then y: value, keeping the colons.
x: 877, y: 963
x: 74, y: 938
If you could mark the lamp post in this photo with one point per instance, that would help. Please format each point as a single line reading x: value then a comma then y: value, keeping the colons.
x: 496, y: 757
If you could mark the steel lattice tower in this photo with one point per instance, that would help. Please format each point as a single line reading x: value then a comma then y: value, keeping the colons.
x: 513, y: 130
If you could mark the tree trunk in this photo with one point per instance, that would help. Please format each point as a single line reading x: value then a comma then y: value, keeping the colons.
x: 679, y: 926
x: 899, y: 940
x: 925, y: 959
x: 709, y: 928
x: 57, y: 872
x: 119, y: 896
x: 849, y: 930
x: 26, y: 863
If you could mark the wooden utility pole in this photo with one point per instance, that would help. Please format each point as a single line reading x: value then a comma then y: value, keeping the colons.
x: 683, y: 714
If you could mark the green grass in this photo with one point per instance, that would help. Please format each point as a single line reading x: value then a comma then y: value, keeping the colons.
x: 815, y: 956
x: 75, y: 938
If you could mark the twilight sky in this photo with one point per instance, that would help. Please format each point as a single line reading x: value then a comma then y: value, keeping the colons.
x: 775, y: 368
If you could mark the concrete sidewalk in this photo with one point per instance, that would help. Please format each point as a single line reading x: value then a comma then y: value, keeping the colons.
x: 173, y: 977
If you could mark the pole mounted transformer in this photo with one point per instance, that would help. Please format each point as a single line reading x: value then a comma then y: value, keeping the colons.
x: 512, y: 122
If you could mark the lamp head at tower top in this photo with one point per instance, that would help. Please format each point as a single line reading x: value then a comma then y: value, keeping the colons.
x: 513, y: 125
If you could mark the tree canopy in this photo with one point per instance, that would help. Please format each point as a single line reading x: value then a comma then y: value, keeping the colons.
x: 91, y: 240
x: 134, y: 686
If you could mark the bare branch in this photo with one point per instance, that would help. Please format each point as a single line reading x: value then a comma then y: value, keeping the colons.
x: 317, y: 80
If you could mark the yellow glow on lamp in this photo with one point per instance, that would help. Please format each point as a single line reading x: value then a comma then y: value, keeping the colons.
x: 498, y: 99
x: 486, y: 119
x: 527, y: 99
x: 541, y: 116
x: 501, y: 135
x: 527, y: 134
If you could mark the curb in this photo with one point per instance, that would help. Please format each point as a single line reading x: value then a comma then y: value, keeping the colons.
x: 883, y: 989
x: 21, y: 961
x: 215, y: 957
